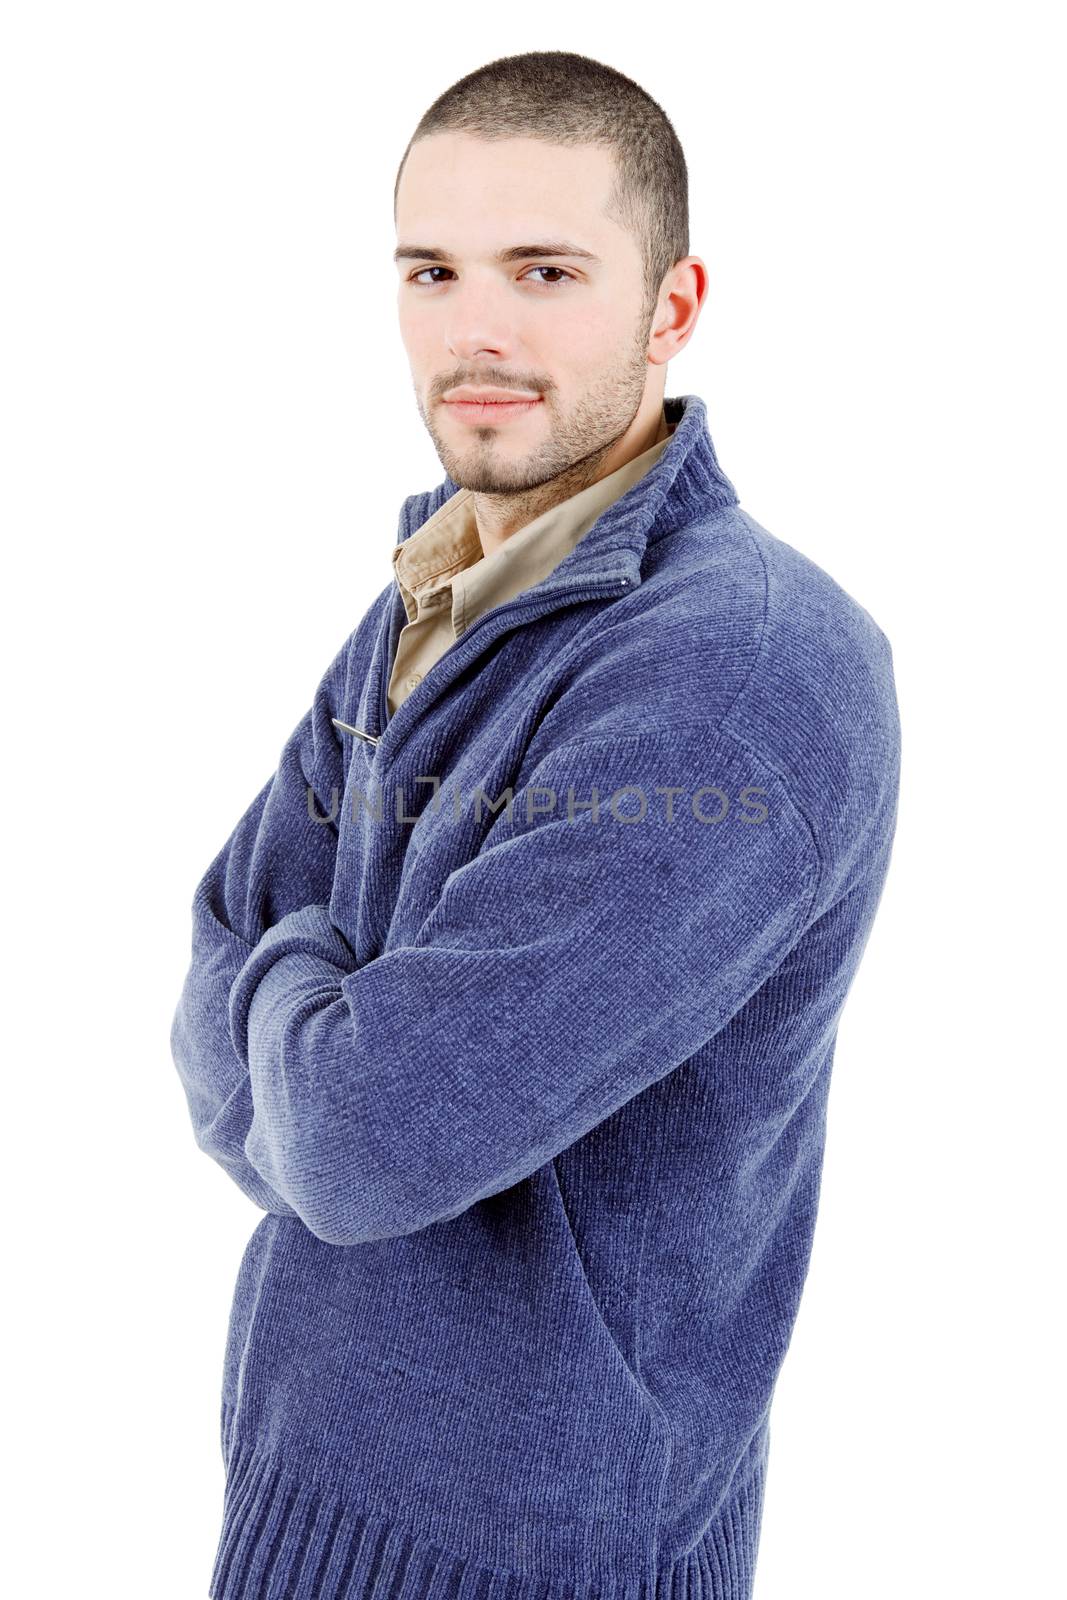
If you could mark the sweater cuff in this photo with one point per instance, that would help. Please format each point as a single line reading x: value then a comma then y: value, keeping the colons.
x: 304, y: 945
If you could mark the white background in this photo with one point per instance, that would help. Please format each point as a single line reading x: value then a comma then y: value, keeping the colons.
x: 208, y: 429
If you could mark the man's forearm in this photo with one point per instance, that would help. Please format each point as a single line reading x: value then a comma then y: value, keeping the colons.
x: 281, y: 855
x: 217, y: 1085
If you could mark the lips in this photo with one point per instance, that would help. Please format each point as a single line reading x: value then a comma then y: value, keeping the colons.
x: 491, y: 410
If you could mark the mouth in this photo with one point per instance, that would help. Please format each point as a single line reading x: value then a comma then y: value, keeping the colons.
x: 490, y: 411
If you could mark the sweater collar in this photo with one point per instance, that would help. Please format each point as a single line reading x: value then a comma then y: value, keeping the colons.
x: 683, y: 485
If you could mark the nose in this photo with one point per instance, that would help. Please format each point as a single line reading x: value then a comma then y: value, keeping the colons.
x: 479, y: 322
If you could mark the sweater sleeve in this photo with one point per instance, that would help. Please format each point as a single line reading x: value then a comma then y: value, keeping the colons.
x: 280, y: 855
x: 579, y: 957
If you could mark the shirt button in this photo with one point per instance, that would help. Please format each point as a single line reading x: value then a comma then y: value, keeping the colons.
x: 416, y: 678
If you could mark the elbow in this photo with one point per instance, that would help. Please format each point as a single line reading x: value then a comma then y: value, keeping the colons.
x: 329, y: 1202
x: 348, y: 1192
x: 347, y: 1207
x: 341, y: 1226
x: 345, y: 1218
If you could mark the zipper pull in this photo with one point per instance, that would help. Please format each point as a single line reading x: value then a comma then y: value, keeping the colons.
x: 357, y: 731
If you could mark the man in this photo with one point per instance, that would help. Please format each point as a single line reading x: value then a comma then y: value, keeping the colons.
x: 514, y: 994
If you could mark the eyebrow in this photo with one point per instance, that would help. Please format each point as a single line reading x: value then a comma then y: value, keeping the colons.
x: 515, y: 252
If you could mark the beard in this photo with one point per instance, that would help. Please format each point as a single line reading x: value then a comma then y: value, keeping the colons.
x: 569, y: 458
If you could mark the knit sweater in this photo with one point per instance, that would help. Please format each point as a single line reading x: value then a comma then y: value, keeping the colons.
x: 515, y: 1013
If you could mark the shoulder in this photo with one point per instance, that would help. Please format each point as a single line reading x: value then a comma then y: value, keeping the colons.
x: 351, y: 663
x: 820, y: 702
x: 818, y: 669
x: 730, y: 623
x: 733, y: 632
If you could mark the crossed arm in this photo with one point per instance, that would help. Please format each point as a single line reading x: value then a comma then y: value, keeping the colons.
x: 574, y: 961
x: 276, y: 859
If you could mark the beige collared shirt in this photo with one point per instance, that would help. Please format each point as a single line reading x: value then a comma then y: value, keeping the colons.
x: 446, y: 581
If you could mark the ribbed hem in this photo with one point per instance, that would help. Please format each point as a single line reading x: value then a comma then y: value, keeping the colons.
x: 281, y: 1540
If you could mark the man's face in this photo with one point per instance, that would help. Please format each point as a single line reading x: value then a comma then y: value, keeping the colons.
x: 560, y: 328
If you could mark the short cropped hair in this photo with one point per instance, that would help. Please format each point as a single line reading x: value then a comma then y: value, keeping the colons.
x: 571, y: 99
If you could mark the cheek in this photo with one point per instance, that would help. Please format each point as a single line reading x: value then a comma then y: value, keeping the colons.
x: 427, y: 357
x: 418, y: 320
x: 586, y: 341
x: 409, y: 325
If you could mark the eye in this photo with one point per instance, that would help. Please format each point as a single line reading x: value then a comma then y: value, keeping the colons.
x: 551, y: 269
x: 415, y: 276
x: 564, y: 276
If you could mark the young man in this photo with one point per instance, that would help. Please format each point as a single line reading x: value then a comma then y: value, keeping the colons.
x: 514, y: 994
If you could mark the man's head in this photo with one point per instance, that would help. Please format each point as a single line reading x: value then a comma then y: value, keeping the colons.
x: 553, y: 150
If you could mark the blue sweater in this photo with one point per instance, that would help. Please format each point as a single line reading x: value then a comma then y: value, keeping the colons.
x: 515, y: 1013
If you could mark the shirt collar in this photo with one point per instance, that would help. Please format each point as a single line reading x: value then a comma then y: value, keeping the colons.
x: 445, y: 551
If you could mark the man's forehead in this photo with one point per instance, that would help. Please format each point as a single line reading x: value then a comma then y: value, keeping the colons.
x: 540, y: 172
